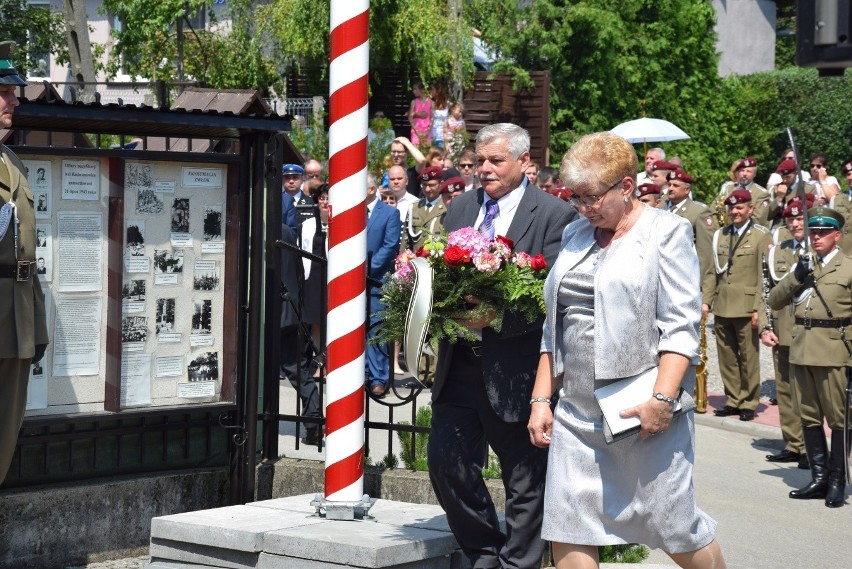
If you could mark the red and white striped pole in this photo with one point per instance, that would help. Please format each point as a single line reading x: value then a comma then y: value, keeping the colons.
x: 347, y: 250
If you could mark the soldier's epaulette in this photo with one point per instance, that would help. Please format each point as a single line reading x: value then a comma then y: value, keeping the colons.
x: 760, y: 228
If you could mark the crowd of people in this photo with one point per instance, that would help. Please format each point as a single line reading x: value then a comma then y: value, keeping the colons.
x: 756, y: 265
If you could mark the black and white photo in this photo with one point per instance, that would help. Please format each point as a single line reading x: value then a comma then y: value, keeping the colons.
x: 213, y: 223
x: 202, y: 317
x: 204, y: 367
x: 135, y: 238
x: 134, y: 329
x: 180, y: 215
x: 165, y: 315
x: 206, y: 275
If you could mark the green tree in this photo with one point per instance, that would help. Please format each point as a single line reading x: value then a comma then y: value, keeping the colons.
x: 614, y: 62
x: 147, y: 44
x: 36, y: 29
x: 406, y: 34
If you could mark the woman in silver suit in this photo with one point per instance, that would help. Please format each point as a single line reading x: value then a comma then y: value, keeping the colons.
x: 622, y: 298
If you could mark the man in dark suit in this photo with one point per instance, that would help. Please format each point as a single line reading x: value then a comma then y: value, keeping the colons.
x: 383, y: 232
x: 481, y: 395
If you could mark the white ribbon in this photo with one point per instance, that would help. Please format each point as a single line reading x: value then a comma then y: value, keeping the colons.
x: 5, y: 218
x: 417, y: 316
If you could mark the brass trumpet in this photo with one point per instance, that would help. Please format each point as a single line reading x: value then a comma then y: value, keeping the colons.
x: 701, y: 370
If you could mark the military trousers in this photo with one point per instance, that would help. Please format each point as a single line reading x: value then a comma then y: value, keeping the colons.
x: 14, y: 376
x: 791, y: 423
x: 739, y: 361
x: 819, y: 392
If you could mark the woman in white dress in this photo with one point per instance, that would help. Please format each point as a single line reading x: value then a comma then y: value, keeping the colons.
x: 622, y: 298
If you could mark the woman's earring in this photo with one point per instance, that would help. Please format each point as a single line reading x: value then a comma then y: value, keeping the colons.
x: 626, y: 199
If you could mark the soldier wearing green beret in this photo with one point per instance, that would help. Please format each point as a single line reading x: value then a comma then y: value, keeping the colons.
x: 23, y: 336
x: 821, y: 294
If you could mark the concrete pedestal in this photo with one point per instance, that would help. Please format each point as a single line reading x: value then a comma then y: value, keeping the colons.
x: 286, y: 533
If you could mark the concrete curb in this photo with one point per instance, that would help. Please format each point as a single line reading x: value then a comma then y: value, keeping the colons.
x: 734, y: 424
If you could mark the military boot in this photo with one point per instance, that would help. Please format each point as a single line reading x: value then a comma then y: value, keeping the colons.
x: 818, y: 457
x: 836, y: 492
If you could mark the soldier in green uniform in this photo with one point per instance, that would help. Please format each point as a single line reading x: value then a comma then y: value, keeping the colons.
x: 841, y: 202
x: 736, y: 304
x: 745, y: 171
x: 424, y: 219
x: 788, y: 170
x: 23, y: 336
x: 776, y: 335
x: 819, y: 351
x: 698, y: 215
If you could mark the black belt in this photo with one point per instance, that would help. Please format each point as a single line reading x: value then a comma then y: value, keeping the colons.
x: 21, y: 272
x: 474, y: 348
x: 823, y: 322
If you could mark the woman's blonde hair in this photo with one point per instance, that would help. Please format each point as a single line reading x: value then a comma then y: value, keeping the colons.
x: 598, y: 157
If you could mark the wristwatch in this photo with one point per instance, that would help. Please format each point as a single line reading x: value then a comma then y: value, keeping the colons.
x: 663, y: 397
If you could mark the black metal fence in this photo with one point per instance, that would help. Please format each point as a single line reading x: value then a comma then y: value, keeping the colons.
x: 389, y: 414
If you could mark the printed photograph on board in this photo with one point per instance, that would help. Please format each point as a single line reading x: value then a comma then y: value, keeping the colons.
x: 165, y: 315
x: 134, y: 329
x: 180, y: 215
x: 204, y: 367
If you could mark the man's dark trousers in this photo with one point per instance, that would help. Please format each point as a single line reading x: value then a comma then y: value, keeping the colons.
x: 464, y: 424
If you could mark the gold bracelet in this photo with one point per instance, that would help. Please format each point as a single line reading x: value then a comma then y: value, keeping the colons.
x: 540, y: 400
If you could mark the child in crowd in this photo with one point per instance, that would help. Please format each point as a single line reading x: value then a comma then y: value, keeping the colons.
x: 454, y: 128
x: 420, y: 116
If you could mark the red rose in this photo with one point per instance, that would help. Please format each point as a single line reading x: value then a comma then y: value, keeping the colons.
x: 505, y: 241
x: 455, y: 256
x: 421, y: 252
x: 538, y: 263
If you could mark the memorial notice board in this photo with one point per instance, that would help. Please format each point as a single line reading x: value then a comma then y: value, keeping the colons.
x: 137, y: 260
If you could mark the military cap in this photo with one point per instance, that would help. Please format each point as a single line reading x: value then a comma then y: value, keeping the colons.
x: 453, y: 184
x: 738, y: 197
x: 646, y: 189
x: 561, y: 191
x: 787, y: 166
x: 663, y: 165
x: 681, y: 175
x: 292, y: 169
x: 450, y: 173
x: 8, y: 74
x: 847, y: 167
x: 825, y: 217
x: 746, y: 162
x: 430, y: 173
x: 794, y: 208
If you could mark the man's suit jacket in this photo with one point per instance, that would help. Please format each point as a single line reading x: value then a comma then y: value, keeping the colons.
x: 21, y: 303
x: 735, y: 291
x: 510, y: 357
x: 383, y: 231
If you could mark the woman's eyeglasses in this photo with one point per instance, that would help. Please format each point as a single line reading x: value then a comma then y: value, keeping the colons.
x: 591, y: 200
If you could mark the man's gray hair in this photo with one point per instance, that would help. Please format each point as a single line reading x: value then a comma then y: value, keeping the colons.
x: 659, y: 151
x: 517, y: 137
x: 371, y: 181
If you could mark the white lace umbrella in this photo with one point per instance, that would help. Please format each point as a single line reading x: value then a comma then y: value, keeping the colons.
x: 649, y: 130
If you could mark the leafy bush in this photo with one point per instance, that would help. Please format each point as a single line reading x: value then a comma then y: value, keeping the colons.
x: 414, y: 445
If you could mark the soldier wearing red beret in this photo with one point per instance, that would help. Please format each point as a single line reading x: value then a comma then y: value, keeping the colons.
x: 744, y: 172
x: 777, y: 333
x: 733, y: 298
x: 649, y: 193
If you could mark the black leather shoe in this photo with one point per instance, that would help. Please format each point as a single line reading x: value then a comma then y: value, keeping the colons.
x: 726, y: 411
x: 312, y: 437
x: 803, y: 462
x: 746, y: 415
x: 784, y: 456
